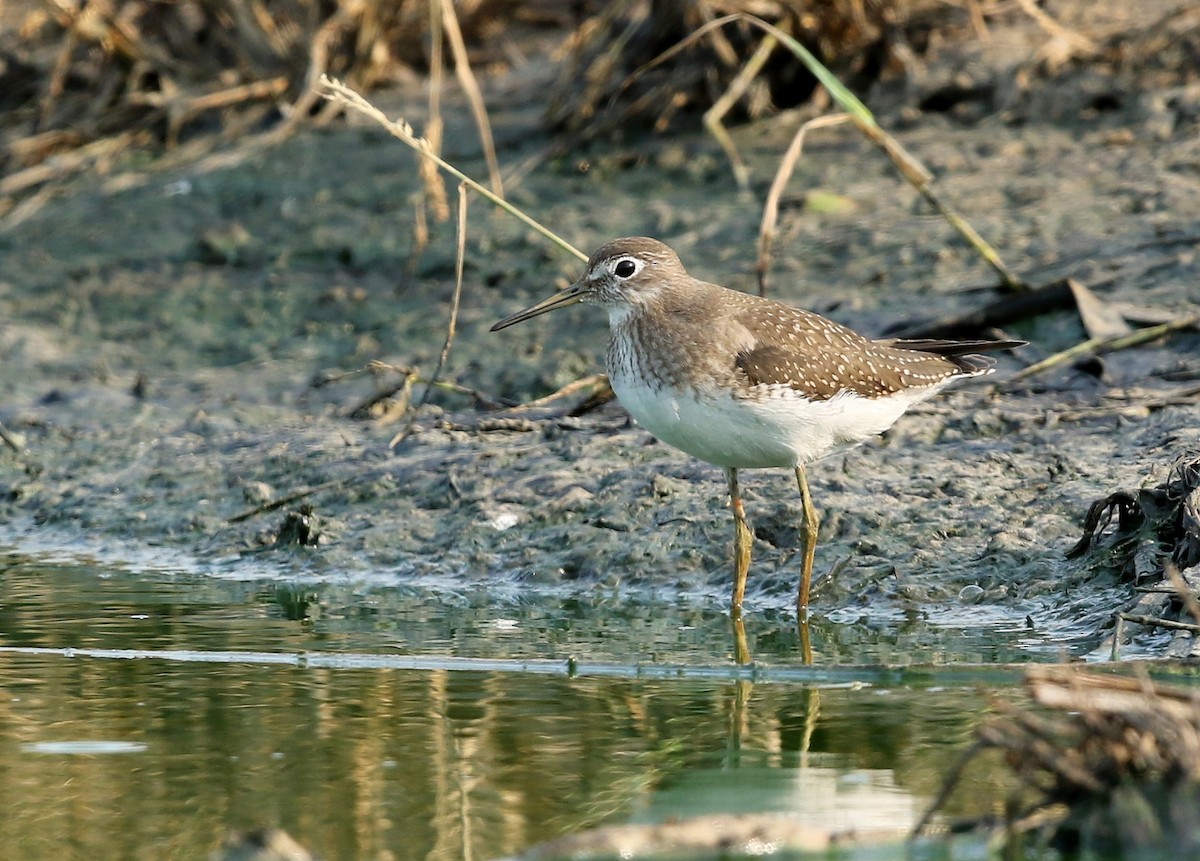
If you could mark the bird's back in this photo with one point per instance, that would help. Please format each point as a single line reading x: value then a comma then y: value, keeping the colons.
x: 742, y: 381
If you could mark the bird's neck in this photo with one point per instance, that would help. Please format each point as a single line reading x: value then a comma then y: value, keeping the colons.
x: 624, y: 315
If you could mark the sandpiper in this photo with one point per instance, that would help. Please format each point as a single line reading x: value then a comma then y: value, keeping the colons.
x: 745, y: 382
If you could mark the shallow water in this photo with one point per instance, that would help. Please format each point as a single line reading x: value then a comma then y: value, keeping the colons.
x: 145, y: 714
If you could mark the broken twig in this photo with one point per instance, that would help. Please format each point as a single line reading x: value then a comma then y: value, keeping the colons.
x: 1098, y: 346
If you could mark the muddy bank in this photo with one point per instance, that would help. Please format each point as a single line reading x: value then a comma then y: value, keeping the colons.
x: 181, y: 351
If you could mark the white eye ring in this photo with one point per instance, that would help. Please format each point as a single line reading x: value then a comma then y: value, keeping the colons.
x: 621, y: 267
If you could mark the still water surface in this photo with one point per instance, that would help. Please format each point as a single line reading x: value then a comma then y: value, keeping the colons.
x: 144, y: 715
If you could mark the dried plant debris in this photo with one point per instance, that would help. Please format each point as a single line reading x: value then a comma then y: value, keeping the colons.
x: 1114, y: 768
x: 1155, y: 541
x: 1161, y: 521
x: 1162, y: 53
x: 857, y: 39
x: 301, y: 527
x: 604, y: 83
x: 73, y: 72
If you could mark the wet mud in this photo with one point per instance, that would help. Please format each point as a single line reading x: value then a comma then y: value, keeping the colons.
x: 179, y: 348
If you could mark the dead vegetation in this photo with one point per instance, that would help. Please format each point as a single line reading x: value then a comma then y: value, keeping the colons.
x: 82, y: 82
x: 856, y: 39
x: 1152, y: 523
x: 1151, y: 535
x: 117, y: 65
x: 1112, y: 766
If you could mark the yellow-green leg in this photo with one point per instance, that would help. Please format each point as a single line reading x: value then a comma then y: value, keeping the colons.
x: 741, y: 543
x: 809, y: 535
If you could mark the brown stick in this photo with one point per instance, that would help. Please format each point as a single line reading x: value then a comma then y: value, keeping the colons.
x: 460, y: 257
x: 433, y: 188
x: 713, y: 116
x: 487, y: 400
x: 949, y: 784
x: 1182, y: 590
x: 466, y: 79
x: 592, y: 381
x: 254, y: 90
x: 1056, y: 30
x: 766, y: 228
x: 9, y: 440
x: 68, y: 162
x: 1098, y: 346
x: 1156, y: 622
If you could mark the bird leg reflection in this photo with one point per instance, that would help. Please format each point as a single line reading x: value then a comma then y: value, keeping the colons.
x: 741, y: 649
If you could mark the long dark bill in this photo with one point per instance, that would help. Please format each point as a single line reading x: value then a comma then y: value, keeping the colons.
x: 570, y: 296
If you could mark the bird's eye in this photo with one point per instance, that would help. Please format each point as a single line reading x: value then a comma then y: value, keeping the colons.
x: 625, y: 268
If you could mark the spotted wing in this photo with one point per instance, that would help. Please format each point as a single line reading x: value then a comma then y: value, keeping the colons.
x: 819, y: 358
x: 873, y: 373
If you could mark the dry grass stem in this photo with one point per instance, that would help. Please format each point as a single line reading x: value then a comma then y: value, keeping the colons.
x: 65, y: 164
x: 737, y: 87
x: 978, y: 22
x: 964, y: 228
x: 488, y: 401
x: 340, y: 93
x: 908, y: 166
x: 1180, y: 587
x: 1077, y: 41
x: 1098, y: 346
x: 451, y: 326
x: 593, y: 384
x: 433, y: 187
x: 862, y: 39
x: 420, y: 229
x: 10, y: 439
x: 169, y: 72
x: 949, y: 784
x: 466, y: 79
x: 296, y: 496
x: 1159, y: 622
x: 770, y: 216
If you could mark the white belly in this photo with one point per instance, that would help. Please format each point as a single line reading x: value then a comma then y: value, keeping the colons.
x: 778, y: 428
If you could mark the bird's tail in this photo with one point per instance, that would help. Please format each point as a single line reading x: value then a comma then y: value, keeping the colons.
x: 964, y: 354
